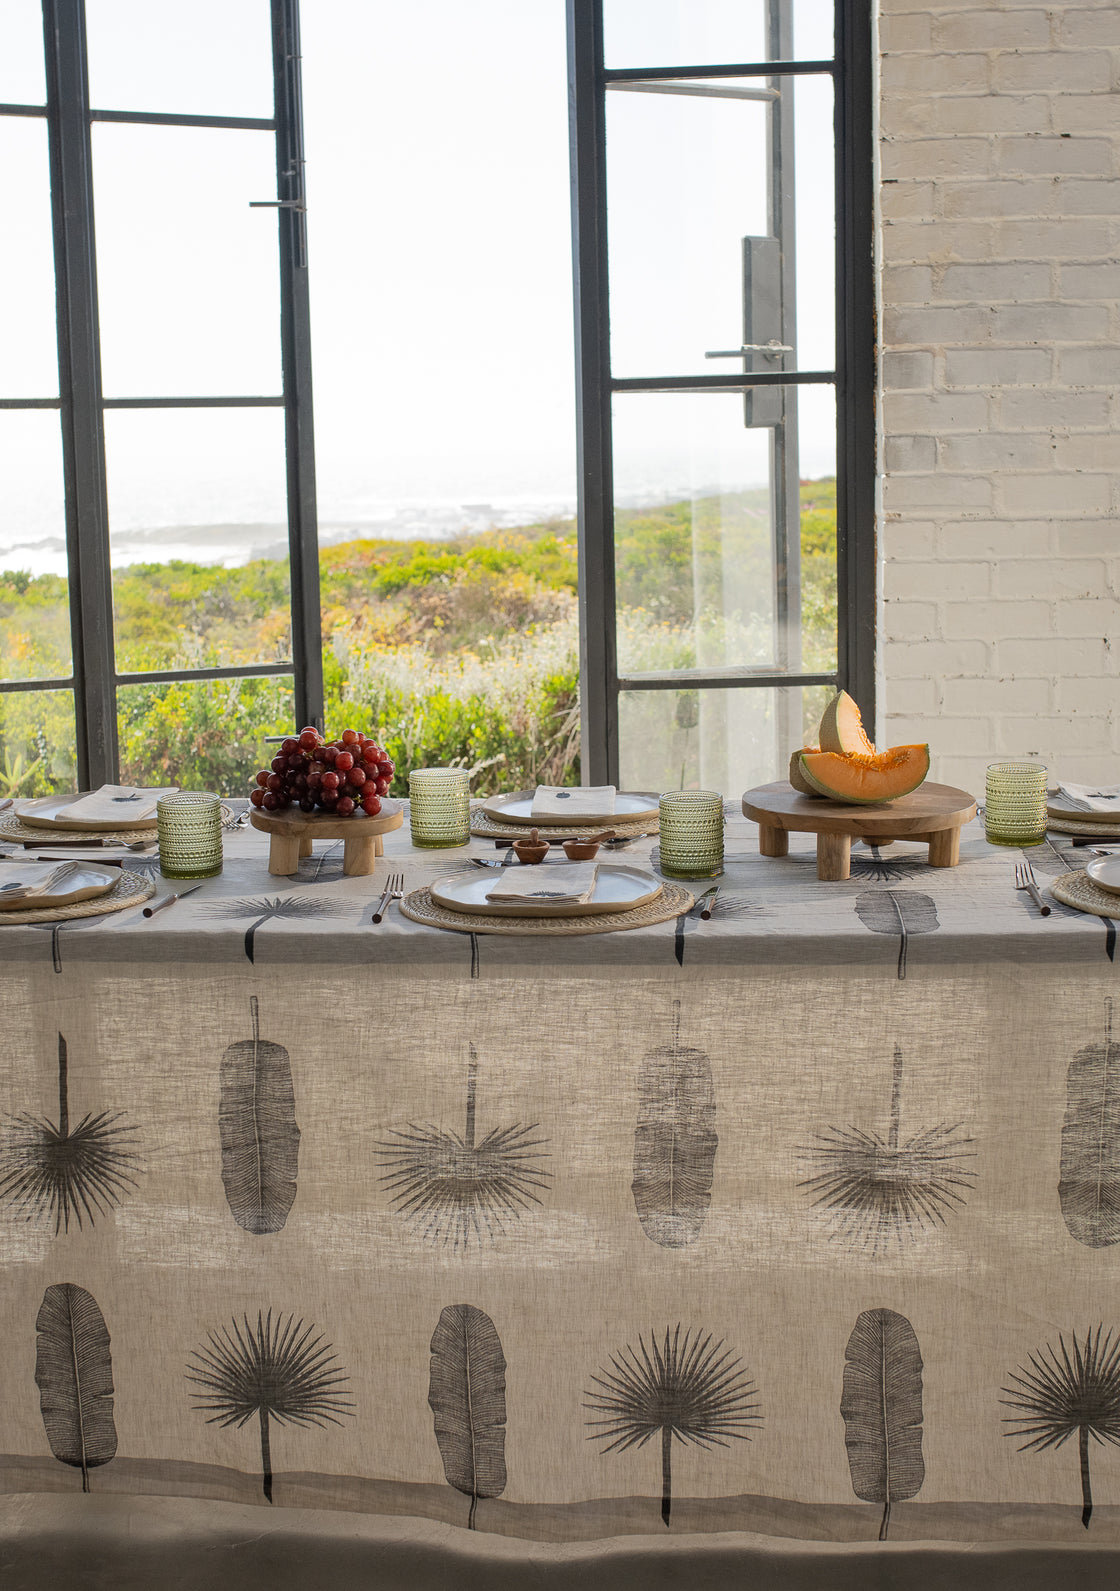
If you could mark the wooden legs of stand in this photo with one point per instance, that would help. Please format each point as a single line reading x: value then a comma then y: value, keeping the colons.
x: 358, y: 855
x: 945, y: 848
x: 772, y: 841
x: 834, y: 857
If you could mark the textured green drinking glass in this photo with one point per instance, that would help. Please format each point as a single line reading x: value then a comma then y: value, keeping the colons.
x: 1015, y: 803
x: 691, y: 837
x: 439, y: 807
x: 189, y: 826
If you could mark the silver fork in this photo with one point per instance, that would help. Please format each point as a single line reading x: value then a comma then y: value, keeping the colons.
x: 394, y: 890
x: 1024, y: 879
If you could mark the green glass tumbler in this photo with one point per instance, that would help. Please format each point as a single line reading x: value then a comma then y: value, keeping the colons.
x: 439, y: 807
x: 691, y: 834
x: 189, y: 826
x: 1015, y: 803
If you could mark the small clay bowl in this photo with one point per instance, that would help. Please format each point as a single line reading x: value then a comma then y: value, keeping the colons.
x: 532, y: 850
x: 581, y: 850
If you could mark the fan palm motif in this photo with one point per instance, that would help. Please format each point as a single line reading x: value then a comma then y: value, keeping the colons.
x: 48, y: 1170
x: 686, y: 1388
x: 263, y: 910
x: 878, y: 1191
x: 455, y: 1189
x: 885, y: 869
x: 1075, y: 1388
x: 275, y: 1371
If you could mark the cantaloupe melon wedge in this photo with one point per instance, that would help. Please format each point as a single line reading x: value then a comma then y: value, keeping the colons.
x: 842, y: 728
x: 796, y: 777
x: 865, y: 780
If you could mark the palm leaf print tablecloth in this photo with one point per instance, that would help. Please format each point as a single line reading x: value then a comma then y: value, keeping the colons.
x: 802, y: 1222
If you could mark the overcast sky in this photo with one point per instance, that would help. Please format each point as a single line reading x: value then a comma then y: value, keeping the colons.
x: 439, y: 251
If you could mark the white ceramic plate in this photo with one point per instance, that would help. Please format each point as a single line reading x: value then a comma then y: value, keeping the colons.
x: 617, y: 889
x: 85, y: 881
x: 1059, y: 807
x: 49, y: 812
x: 518, y: 808
x: 1105, y: 871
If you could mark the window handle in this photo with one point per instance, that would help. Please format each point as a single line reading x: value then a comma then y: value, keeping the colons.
x: 773, y: 348
x: 277, y: 204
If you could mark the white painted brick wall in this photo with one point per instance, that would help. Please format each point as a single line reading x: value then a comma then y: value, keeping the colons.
x: 1000, y: 320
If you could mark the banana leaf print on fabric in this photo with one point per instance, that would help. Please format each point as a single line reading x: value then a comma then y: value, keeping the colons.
x: 74, y: 1374
x: 877, y: 1192
x: 1089, y: 1180
x: 674, y: 1142
x: 685, y: 1390
x: 881, y: 1405
x: 467, y: 1397
x: 456, y: 1189
x: 274, y: 1371
x: 50, y: 1170
x: 897, y: 911
x: 258, y: 1130
x: 1071, y: 1390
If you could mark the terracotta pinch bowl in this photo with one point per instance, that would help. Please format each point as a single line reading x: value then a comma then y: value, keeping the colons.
x: 585, y: 850
x: 532, y: 850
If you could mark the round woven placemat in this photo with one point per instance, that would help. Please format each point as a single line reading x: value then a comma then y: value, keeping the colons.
x: 132, y: 889
x: 1079, y: 891
x: 487, y: 828
x: 1075, y: 826
x: 672, y: 901
x: 11, y: 828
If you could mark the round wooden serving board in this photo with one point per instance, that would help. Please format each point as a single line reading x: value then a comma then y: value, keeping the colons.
x: 292, y: 831
x: 934, y: 812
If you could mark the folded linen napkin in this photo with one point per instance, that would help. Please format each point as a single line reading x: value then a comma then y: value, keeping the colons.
x: 583, y: 804
x: 1093, y: 797
x: 114, y: 802
x: 28, y: 881
x: 555, y: 885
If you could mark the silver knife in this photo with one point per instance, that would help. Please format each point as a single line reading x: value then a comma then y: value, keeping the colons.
x: 169, y: 900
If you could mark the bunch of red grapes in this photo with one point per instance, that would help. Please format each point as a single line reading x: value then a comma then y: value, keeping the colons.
x: 345, y: 778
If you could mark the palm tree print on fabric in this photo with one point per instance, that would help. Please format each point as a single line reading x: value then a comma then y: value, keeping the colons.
x: 455, y: 1190
x: 878, y: 1191
x: 275, y: 908
x: 686, y: 1389
x: 275, y: 1371
x: 1071, y: 1390
x: 50, y: 1170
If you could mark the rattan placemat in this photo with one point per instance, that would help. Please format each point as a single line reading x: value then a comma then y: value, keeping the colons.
x: 132, y: 889
x: 1075, y: 826
x: 488, y: 828
x: 671, y: 902
x: 11, y: 828
x: 1079, y: 891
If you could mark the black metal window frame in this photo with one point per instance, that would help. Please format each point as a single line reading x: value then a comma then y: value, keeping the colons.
x: 69, y: 119
x: 851, y: 70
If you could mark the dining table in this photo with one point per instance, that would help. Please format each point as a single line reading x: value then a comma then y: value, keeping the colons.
x: 775, y: 1246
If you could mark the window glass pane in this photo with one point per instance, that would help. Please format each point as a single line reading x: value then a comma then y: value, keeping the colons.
x: 34, y: 606
x: 198, y: 537
x: 205, y: 58
x: 28, y: 346
x: 726, y: 740
x: 188, y: 275
x: 701, y: 500
x: 709, y: 32
x: 36, y: 742
x: 22, y: 81
x: 202, y: 734
x: 696, y: 265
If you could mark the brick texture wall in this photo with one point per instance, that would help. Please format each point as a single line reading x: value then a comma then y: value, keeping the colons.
x: 1000, y: 323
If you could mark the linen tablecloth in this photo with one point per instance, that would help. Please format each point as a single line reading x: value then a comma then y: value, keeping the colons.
x: 797, y: 1224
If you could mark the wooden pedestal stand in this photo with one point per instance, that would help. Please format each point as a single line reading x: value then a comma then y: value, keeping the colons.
x: 934, y: 813
x: 292, y: 832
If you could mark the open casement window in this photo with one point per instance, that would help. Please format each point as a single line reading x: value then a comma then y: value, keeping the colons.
x: 157, y: 260
x: 722, y: 216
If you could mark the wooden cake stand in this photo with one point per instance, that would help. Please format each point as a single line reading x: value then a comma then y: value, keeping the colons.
x: 934, y: 812
x: 292, y: 831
